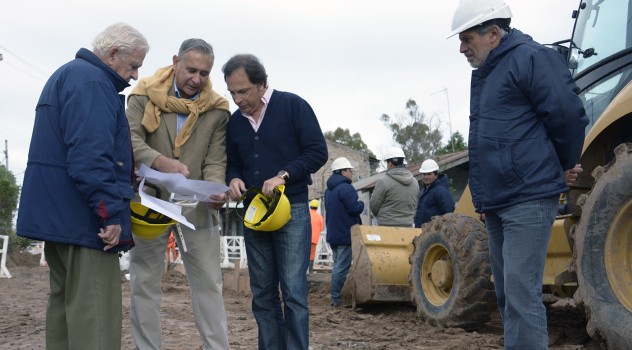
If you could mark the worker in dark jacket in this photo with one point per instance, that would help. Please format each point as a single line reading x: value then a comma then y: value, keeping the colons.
x: 435, y: 197
x: 343, y: 211
x: 526, y: 130
x: 77, y: 189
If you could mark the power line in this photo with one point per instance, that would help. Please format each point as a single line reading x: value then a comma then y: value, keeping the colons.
x: 25, y: 62
x: 25, y: 72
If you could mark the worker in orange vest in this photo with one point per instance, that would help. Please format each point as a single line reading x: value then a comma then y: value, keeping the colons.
x: 317, y: 228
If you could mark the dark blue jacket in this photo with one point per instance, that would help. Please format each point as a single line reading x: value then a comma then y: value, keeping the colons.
x: 434, y: 200
x: 80, y: 167
x: 289, y: 138
x: 526, y: 124
x: 342, y: 209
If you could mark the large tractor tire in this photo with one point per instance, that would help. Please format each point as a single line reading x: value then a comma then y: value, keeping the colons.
x: 451, y: 274
x: 603, y: 248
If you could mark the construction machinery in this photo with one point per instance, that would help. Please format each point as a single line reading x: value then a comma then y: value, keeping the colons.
x: 590, y: 251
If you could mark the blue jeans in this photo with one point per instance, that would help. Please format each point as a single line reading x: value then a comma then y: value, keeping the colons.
x: 281, y: 258
x: 518, y: 241
x: 342, y: 263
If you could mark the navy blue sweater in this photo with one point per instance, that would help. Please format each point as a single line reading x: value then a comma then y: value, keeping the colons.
x: 289, y: 138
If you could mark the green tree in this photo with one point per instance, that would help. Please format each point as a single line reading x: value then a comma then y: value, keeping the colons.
x: 9, y: 192
x: 455, y: 144
x: 414, y: 133
x: 344, y: 137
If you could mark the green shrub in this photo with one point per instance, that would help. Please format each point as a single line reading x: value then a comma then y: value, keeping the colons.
x: 18, y: 243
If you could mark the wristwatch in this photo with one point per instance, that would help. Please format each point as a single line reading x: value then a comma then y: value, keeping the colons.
x: 284, y: 175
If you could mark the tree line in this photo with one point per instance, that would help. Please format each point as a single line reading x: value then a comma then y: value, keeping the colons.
x: 418, y: 135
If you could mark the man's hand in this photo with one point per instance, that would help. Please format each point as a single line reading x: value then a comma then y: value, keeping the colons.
x: 218, y: 201
x: 167, y: 165
x: 270, y: 184
x: 236, y: 188
x: 570, y: 176
x: 110, y: 236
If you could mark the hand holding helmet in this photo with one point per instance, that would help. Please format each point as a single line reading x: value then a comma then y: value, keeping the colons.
x: 267, y: 213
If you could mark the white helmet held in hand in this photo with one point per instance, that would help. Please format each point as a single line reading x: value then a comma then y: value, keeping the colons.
x: 393, y: 152
x: 470, y: 13
x: 428, y: 166
x: 341, y: 163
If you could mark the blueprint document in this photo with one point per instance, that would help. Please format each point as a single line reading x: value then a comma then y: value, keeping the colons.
x: 184, y: 191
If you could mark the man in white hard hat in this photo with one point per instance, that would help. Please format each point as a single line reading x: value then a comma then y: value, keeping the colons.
x: 435, y: 197
x: 526, y: 130
x: 394, y: 198
x: 343, y: 211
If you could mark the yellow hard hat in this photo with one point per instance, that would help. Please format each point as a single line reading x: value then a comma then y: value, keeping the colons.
x: 265, y: 213
x: 147, y: 223
x: 313, y: 203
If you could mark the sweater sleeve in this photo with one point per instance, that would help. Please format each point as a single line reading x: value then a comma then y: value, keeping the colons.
x: 311, y: 140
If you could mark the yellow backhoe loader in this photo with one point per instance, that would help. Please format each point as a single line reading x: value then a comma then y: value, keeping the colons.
x: 447, y: 273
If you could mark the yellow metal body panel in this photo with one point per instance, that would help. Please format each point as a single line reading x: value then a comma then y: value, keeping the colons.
x: 380, y: 268
x: 559, y: 252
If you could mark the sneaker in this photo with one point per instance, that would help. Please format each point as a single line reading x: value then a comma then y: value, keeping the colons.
x: 336, y: 303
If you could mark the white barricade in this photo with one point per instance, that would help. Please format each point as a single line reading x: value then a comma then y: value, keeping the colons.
x: 43, y: 257
x: 324, y: 257
x: 233, y: 248
x: 4, y: 273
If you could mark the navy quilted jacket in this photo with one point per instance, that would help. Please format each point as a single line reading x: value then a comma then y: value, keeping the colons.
x: 526, y: 124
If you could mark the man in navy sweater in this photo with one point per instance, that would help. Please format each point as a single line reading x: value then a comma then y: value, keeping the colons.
x: 274, y: 139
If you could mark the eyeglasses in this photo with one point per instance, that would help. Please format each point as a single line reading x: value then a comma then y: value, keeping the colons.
x: 241, y: 94
x: 244, y: 93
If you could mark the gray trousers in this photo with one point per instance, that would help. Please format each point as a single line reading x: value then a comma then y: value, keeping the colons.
x: 203, y: 271
x: 85, y: 304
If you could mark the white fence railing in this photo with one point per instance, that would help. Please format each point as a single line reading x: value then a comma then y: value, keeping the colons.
x: 233, y: 249
x: 4, y: 272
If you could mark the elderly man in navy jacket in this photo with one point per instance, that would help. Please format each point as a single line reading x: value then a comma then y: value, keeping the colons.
x: 526, y: 129
x: 78, y: 185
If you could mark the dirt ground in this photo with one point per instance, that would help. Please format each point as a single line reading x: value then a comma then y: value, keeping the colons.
x: 23, y: 304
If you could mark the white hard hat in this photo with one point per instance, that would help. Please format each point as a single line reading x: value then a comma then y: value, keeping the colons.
x: 341, y: 163
x: 429, y: 166
x: 393, y: 152
x: 470, y: 13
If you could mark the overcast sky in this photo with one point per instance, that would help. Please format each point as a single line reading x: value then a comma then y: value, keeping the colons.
x: 351, y: 60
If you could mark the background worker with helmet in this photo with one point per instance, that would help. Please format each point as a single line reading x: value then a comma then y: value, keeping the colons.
x: 178, y: 125
x: 343, y: 211
x: 394, y: 198
x: 435, y: 197
x: 522, y: 95
x: 317, y: 228
x: 274, y: 140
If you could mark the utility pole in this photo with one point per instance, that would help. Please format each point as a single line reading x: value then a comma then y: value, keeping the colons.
x: 6, y: 154
x: 445, y: 90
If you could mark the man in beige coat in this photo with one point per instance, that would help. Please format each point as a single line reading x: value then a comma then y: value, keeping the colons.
x: 178, y: 125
